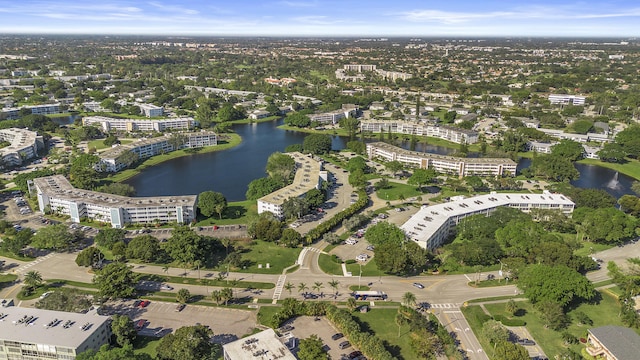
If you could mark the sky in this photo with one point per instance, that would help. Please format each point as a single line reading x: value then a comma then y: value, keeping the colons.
x: 353, y: 18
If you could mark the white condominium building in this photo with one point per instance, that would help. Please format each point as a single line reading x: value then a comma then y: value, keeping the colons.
x: 332, y: 117
x: 58, y: 195
x: 432, y: 225
x: 150, y: 110
x: 24, y: 144
x: 46, y: 109
x: 309, y: 175
x: 113, y: 160
x: 448, y: 133
x: 29, y: 333
x: 107, y: 124
x: 567, y: 99
x: 442, y: 163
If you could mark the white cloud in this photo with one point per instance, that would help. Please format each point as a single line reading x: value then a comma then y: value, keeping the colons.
x: 298, y: 3
x: 517, y: 14
x: 174, y: 9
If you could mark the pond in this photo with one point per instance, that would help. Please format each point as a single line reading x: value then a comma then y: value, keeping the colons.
x: 230, y: 172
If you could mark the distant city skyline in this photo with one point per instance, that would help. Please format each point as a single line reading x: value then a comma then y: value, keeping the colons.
x: 471, y: 18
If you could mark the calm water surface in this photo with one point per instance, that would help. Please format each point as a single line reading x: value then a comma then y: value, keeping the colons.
x: 230, y: 172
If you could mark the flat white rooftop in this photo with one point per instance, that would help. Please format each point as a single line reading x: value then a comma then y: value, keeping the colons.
x: 265, y: 345
x: 47, y: 326
x: 426, y: 222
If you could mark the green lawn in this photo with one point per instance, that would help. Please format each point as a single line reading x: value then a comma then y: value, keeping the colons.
x: 589, y: 248
x: 6, y: 280
x: 605, y: 312
x: 329, y: 266
x: 238, y: 212
x: 99, y: 144
x: 382, y: 323
x: 266, y: 313
x: 146, y: 345
x: 14, y: 256
x: 262, y: 252
x: 369, y: 269
x: 397, y: 189
x: 630, y: 168
x: 254, y: 121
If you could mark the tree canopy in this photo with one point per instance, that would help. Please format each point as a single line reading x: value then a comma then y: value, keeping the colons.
x: 188, y: 343
x: 557, y: 284
x: 115, y: 280
x: 317, y: 144
x: 210, y: 202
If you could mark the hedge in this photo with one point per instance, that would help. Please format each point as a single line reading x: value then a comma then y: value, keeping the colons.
x: 336, y: 220
x: 509, y: 322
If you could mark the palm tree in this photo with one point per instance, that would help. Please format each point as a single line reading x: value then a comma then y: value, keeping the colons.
x: 317, y: 286
x: 302, y: 288
x: 352, y: 304
x: 227, y: 294
x: 334, y: 285
x: 216, y: 295
x: 409, y: 299
x: 165, y: 269
x: 289, y: 286
x: 400, y: 320
x: 33, y: 279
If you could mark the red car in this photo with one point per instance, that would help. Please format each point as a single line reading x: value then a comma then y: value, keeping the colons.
x: 144, y: 303
x: 140, y: 324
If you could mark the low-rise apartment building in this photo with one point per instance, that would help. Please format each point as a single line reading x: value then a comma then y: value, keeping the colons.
x: 24, y: 145
x: 129, y: 125
x: 448, y: 133
x: 332, y: 117
x: 442, y: 163
x: 567, y: 99
x: 117, y: 158
x: 46, y: 109
x: 432, y: 225
x: 150, y: 110
x: 309, y: 175
x: 34, y: 334
x: 56, y: 194
x: 613, y: 343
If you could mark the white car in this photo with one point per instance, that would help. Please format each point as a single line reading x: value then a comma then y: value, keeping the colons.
x: 351, y: 241
x: 362, y: 257
x: 166, y: 287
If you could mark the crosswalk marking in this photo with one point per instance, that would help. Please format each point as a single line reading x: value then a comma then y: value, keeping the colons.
x: 446, y: 306
x: 26, y: 267
x: 279, y: 286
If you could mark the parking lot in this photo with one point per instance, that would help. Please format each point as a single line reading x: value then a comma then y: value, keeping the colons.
x: 305, y: 326
x: 162, y: 318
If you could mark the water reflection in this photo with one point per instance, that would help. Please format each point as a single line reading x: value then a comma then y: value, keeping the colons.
x: 231, y: 171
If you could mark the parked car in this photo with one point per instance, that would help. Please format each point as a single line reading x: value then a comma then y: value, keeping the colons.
x: 166, y: 287
x: 355, y: 354
x: 337, y: 336
x: 180, y: 307
x: 344, y: 345
x: 144, y: 303
x: 362, y: 257
x: 286, y: 328
x: 526, y: 342
x: 418, y: 285
x: 140, y: 324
